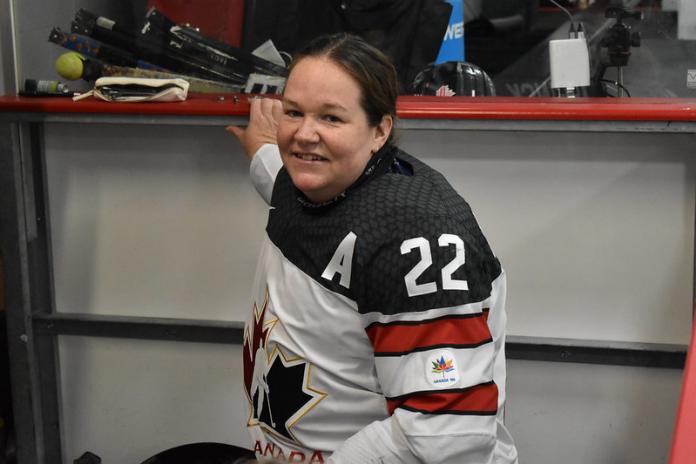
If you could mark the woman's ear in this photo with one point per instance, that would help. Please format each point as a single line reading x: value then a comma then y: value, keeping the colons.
x: 382, y: 132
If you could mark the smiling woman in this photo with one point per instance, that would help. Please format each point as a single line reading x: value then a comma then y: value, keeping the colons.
x: 378, y: 316
x: 324, y: 136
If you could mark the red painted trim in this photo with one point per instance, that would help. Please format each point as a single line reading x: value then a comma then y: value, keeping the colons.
x: 196, y: 105
x: 406, y: 337
x: 408, y: 107
x: 516, y: 108
x: 481, y: 399
x: 684, y: 439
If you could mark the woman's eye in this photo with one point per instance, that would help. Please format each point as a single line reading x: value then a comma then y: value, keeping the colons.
x: 332, y: 118
x: 293, y: 113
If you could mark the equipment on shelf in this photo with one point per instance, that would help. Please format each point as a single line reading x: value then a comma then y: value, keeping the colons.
x: 618, y: 41
x: 162, y: 46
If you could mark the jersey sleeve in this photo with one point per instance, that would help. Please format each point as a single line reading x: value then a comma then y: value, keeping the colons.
x: 264, y: 168
x: 432, y: 300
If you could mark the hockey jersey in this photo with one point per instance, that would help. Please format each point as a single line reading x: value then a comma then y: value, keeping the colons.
x: 377, y: 326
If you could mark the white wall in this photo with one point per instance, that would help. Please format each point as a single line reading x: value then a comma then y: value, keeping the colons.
x: 595, y: 232
x: 126, y: 400
x: 580, y: 413
x: 152, y: 221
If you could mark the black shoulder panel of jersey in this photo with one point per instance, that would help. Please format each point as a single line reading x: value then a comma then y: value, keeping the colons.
x: 383, y: 214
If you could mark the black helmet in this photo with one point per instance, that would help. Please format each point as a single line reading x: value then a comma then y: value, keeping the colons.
x: 453, y: 78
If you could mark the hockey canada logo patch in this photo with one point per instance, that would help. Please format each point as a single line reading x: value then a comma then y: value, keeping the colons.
x: 277, y: 384
x: 441, y: 370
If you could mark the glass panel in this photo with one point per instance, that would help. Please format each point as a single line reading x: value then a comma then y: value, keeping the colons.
x: 639, y: 48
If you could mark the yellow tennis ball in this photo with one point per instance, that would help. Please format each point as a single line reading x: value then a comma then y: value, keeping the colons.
x: 70, y: 65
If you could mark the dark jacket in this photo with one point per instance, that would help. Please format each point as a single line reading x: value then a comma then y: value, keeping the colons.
x: 410, y: 32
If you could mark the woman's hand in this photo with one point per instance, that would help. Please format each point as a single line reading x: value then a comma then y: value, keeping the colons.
x: 264, y: 114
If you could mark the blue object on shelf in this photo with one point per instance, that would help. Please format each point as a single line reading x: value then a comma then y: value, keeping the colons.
x: 452, y: 48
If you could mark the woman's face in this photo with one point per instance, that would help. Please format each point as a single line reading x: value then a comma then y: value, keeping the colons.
x: 324, y: 137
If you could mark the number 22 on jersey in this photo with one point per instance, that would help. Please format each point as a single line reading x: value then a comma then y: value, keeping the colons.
x: 426, y: 260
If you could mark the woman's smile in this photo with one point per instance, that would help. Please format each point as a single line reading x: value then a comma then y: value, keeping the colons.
x: 309, y: 157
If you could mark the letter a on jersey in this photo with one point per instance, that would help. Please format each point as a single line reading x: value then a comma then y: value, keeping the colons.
x: 342, y: 261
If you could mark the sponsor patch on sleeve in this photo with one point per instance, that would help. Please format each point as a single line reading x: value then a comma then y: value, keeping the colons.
x: 441, y: 370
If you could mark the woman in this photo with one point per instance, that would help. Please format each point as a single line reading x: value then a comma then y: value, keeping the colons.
x: 377, y: 328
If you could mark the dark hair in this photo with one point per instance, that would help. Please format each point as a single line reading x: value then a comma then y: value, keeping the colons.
x: 372, y: 70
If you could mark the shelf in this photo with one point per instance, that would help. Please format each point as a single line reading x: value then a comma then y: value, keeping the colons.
x: 426, y: 113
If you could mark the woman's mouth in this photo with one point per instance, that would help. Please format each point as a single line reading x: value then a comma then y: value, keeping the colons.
x: 309, y: 157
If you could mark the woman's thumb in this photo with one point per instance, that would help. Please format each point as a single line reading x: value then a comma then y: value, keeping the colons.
x: 236, y: 131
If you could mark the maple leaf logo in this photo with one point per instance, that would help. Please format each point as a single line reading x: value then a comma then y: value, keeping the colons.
x: 277, y: 384
x: 255, y: 334
x: 442, y: 366
x: 445, y: 91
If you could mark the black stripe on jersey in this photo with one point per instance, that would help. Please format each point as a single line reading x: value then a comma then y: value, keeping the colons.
x: 444, y: 411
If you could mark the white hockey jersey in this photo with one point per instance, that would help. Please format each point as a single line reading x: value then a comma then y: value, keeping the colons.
x: 377, y: 328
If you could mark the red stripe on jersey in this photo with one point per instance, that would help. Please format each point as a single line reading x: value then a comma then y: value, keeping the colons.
x: 407, y: 336
x: 480, y: 400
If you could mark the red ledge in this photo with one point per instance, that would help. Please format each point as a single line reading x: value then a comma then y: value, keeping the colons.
x: 578, y: 109
x: 409, y: 107
x: 196, y: 105
x: 683, y: 443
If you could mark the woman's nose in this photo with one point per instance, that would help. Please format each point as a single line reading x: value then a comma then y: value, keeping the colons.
x: 307, y: 132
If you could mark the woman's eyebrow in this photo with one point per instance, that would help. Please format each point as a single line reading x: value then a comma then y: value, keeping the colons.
x: 329, y: 106
x: 334, y: 107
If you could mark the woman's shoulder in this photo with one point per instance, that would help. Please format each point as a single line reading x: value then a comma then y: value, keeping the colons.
x: 413, y: 187
x: 400, y: 205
